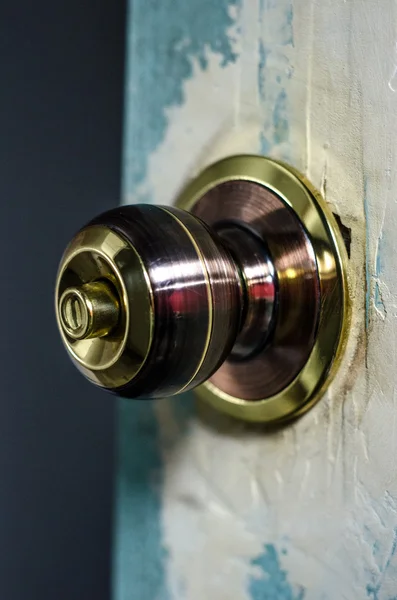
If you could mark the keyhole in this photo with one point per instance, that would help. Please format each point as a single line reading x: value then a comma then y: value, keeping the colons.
x: 89, y: 311
x: 74, y: 315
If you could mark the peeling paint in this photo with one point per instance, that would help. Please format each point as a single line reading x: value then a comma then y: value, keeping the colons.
x: 280, y: 118
x: 273, y: 581
x: 374, y: 589
x: 379, y: 302
x: 374, y: 267
x: 139, y: 569
x: 276, y: 37
x: 368, y: 276
x: 163, y: 40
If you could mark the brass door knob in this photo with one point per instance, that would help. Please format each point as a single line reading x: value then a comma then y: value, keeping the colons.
x: 240, y: 290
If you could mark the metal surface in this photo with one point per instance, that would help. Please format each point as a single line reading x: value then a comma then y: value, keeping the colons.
x: 298, y: 299
x: 245, y: 294
x: 180, y: 297
x: 308, y: 256
x: 259, y: 284
x: 98, y: 254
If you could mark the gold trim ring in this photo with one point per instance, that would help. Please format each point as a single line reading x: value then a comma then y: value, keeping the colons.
x: 100, y: 265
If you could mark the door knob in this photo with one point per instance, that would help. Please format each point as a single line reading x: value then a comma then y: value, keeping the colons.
x: 239, y: 291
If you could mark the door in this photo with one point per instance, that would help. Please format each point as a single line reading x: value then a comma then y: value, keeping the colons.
x: 207, y: 507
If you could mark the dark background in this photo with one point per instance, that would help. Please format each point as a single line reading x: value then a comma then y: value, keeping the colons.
x: 61, y: 95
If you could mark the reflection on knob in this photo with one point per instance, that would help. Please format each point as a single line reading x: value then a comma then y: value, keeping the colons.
x: 209, y: 295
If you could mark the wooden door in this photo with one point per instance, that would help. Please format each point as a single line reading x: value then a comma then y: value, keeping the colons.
x: 209, y: 508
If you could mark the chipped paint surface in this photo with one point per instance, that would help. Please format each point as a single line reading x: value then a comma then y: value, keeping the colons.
x: 207, y: 507
x: 272, y: 580
x: 167, y: 41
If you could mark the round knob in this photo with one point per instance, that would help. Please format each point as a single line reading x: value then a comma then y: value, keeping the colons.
x: 162, y: 291
x: 243, y: 290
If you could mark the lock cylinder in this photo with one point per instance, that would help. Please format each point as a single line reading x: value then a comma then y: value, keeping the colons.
x: 238, y: 291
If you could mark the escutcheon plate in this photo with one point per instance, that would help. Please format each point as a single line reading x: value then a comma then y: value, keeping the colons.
x: 297, y: 364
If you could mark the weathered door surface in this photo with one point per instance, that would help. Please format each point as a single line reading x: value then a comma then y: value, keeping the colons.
x: 207, y: 507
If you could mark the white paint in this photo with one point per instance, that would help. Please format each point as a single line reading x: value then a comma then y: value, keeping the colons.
x: 325, y: 487
x: 171, y: 164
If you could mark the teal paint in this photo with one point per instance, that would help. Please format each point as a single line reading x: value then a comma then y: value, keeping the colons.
x: 373, y: 294
x: 140, y: 559
x: 138, y: 563
x: 164, y: 37
x: 379, y: 264
x: 273, y: 583
x: 289, y: 31
x: 367, y: 258
x: 378, y: 300
x: 182, y: 410
x: 275, y: 130
x: 262, y: 59
x: 263, y: 54
x: 379, y: 269
x: 374, y: 589
x: 280, y: 118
